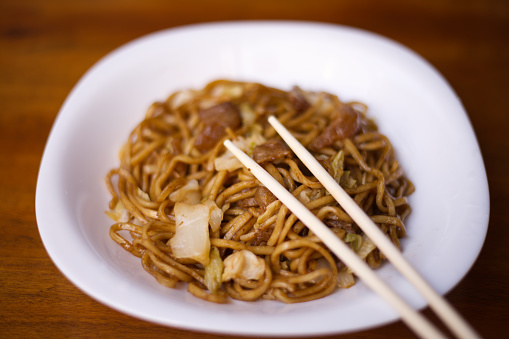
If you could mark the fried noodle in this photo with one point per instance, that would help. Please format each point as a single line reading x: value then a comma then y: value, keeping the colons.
x: 175, y: 170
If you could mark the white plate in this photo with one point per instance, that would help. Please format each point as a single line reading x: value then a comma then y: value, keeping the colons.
x: 409, y: 99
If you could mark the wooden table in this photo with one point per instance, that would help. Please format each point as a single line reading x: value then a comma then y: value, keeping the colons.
x: 45, y: 47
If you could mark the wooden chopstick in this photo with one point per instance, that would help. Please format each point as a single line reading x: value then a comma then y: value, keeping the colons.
x: 447, y: 313
x: 413, y: 319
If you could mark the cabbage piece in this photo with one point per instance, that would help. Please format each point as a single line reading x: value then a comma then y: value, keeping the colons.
x: 216, y: 214
x: 367, y: 246
x: 213, y: 271
x: 233, y: 91
x: 189, y: 193
x: 181, y: 98
x: 243, y: 264
x: 191, y: 239
x: 247, y: 114
x: 355, y: 241
x: 337, y: 164
x: 341, y: 176
x: 119, y: 213
x: 228, y: 161
x: 228, y: 91
x: 309, y: 194
x: 346, y: 180
x: 345, y: 279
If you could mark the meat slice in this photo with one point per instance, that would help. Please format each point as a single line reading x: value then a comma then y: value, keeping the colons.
x: 246, y: 203
x: 215, y: 120
x: 345, y: 125
x: 270, y: 151
x: 298, y: 100
x: 264, y: 197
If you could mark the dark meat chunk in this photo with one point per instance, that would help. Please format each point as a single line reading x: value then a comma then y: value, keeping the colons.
x: 270, y: 151
x: 264, y: 197
x: 215, y: 120
x: 208, y: 137
x: 298, y: 100
x: 225, y: 113
x: 246, y: 203
x: 345, y: 125
x: 347, y: 226
x: 262, y: 235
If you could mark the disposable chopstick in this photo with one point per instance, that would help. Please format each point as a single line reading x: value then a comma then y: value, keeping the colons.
x: 447, y: 313
x: 411, y: 317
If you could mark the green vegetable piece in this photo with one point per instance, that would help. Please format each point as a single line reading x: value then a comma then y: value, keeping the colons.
x: 214, y: 271
x: 355, y: 241
x: 346, y: 180
x: 337, y: 165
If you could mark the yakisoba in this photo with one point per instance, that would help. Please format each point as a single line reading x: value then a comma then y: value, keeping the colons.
x: 193, y: 214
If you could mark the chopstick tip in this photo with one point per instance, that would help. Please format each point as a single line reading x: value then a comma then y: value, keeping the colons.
x: 271, y: 119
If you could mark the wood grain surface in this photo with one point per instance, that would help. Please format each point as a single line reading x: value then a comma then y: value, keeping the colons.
x: 46, y: 46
